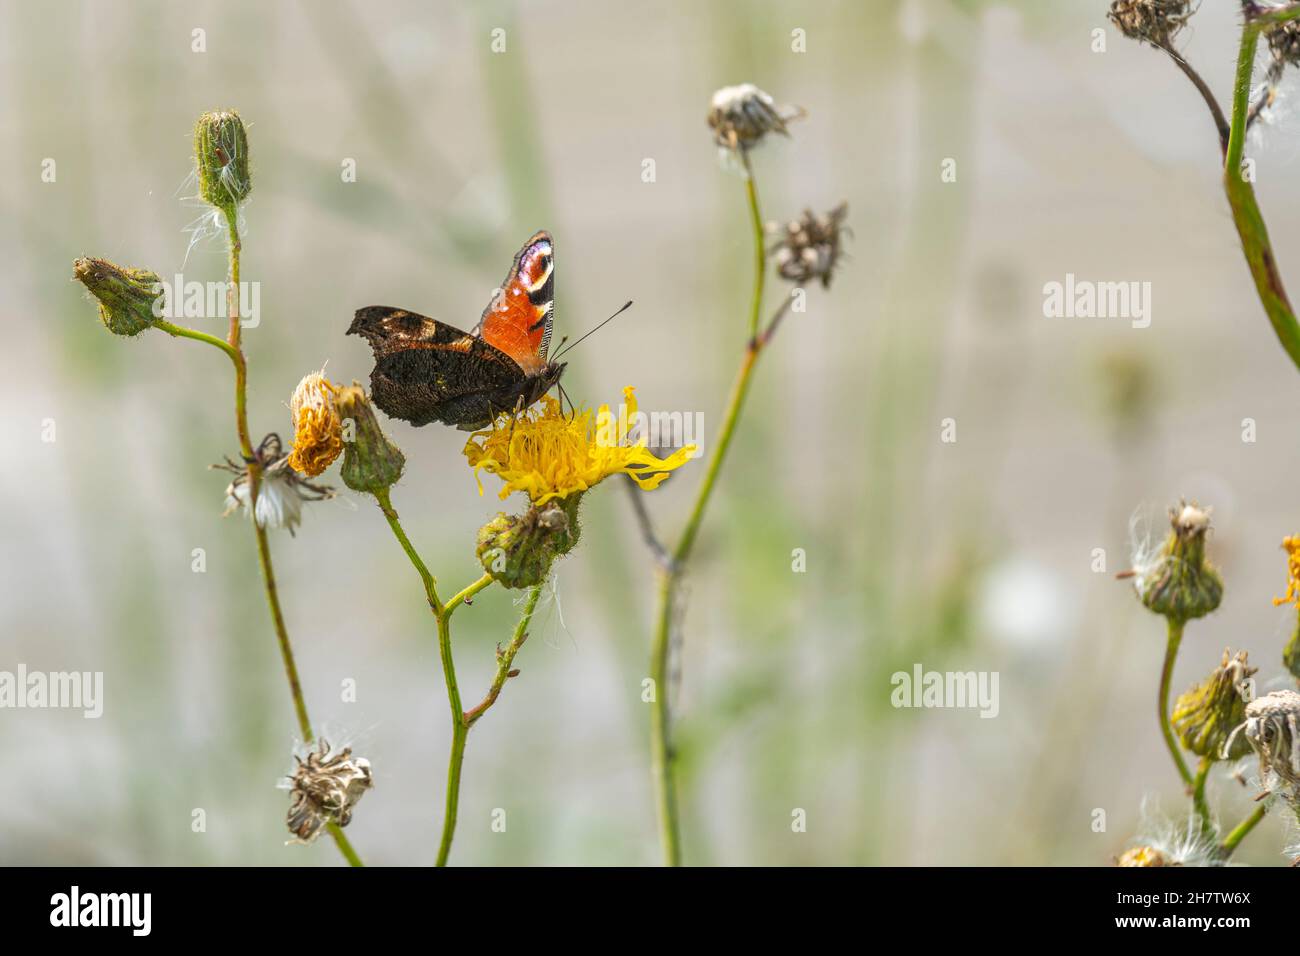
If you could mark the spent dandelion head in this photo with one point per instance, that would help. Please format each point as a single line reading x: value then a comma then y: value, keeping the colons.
x: 280, y: 491
x: 741, y: 116
x: 128, y: 298
x: 1284, y: 45
x: 317, y: 425
x: 1163, y: 842
x: 548, y: 455
x: 1206, y: 716
x: 324, y: 789
x: 1156, y: 22
x: 808, y: 249
x: 1272, y: 728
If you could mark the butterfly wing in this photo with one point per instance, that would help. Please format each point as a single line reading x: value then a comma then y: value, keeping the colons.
x: 427, y: 371
x: 518, y: 319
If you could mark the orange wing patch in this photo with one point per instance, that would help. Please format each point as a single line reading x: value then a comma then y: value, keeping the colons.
x: 518, y: 319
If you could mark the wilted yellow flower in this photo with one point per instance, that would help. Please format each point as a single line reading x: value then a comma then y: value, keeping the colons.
x: 317, y: 426
x: 1292, y: 596
x: 549, y: 455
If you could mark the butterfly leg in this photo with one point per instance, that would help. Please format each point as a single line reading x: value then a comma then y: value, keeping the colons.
x: 514, y: 417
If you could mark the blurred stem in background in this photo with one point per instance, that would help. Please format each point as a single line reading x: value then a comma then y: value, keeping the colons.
x: 938, y: 107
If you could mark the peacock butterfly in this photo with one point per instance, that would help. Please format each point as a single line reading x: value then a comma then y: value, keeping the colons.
x: 428, y: 371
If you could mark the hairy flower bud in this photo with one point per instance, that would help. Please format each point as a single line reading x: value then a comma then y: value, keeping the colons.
x: 126, y: 296
x: 1206, y: 715
x: 371, y: 463
x: 1179, y: 581
x: 221, y: 152
x: 518, y: 550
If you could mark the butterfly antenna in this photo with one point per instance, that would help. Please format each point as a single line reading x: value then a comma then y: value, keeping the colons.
x: 601, y: 326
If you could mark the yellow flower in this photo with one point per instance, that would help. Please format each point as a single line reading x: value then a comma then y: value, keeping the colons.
x: 1292, y: 596
x: 548, y: 455
x: 317, y: 426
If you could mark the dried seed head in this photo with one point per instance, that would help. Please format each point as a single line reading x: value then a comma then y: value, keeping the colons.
x: 325, y: 789
x: 1206, y: 716
x: 1284, y: 43
x: 371, y: 463
x: 127, y: 297
x: 740, y: 116
x: 1272, y: 727
x: 1151, y: 21
x: 1179, y: 582
x: 808, y: 248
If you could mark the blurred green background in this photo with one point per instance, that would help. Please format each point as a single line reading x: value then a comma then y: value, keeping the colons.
x: 975, y: 555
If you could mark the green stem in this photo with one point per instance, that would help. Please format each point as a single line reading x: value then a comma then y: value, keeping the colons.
x: 459, y: 731
x: 760, y: 250
x: 1239, y: 832
x: 442, y: 614
x: 1198, y: 794
x: 661, y: 750
x: 430, y: 583
x: 1246, y: 215
x: 460, y: 721
x: 506, y: 658
x: 183, y: 332
x: 1166, y: 674
x: 662, y: 756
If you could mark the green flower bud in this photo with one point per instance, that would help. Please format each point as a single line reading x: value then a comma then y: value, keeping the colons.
x: 1291, y: 654
x: 126, y: 296
x: 221, y: 152
x: 371, y: 463
x: 518, y: 550
x: 1206, y: 715
x: 1179, y: 582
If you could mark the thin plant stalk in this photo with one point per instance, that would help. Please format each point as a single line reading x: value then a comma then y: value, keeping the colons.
x: 1239, y: 832
x: 1246, y: 214
x: 1166, y: 674
x: 1198, y: 794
